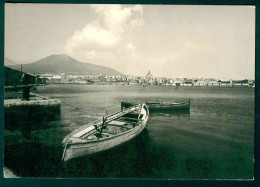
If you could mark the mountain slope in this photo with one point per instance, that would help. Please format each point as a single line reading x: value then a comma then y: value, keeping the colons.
x: 65, y: 64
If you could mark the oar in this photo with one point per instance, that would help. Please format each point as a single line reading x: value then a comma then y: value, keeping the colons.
x: 100, y: 135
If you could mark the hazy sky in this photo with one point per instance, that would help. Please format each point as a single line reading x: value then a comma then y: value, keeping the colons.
x: 170, y: 40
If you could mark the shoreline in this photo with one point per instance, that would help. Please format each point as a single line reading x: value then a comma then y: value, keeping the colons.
x: 229, y: 86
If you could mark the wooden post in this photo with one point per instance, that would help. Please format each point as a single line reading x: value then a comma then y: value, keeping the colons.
x: 26, y: 93
x: 26, y: 88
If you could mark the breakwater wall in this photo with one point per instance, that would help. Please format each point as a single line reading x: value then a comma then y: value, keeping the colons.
x: 20, y: 114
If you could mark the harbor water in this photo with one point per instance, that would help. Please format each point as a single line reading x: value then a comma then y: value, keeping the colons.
x: 214, y: 141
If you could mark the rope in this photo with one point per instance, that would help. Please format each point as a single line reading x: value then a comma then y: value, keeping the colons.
x: 64, y: 151
x: 12, y: 61
x: 104, y: 108
x: 19, y: 64
x: 70, y: 105
x: 149, y: 119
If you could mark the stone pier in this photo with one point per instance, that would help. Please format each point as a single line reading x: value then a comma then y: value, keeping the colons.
x: 20, y: 113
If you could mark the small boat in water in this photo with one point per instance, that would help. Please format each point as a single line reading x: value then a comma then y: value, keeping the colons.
x: 106, y: 133
x: 177, y: 106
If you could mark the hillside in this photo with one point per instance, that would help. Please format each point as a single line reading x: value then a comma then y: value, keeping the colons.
x: 64, y: 64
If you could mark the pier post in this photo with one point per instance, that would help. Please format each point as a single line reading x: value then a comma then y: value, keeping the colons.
x: 26, y: 93
x: 26, y: 89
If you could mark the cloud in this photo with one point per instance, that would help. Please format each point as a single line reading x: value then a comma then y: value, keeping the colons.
x: 105, y: 33
x: 117, y: 19
x: 92, y: 37
x: 130, y: 48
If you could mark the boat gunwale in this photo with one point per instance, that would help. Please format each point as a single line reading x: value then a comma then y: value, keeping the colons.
x: 106, y: 138
x: 174, y: 103
x: 66, y: 139
x: 165, y: 103
x: 126, y: 135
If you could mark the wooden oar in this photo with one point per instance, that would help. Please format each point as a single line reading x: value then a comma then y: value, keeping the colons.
x: 101, y: 129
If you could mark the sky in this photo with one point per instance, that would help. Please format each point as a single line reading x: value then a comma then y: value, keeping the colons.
x: 169, y: 40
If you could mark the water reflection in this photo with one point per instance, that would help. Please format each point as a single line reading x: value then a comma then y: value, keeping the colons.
x: 178, y: 115
x: 214, y: 140
x: 135, y: 158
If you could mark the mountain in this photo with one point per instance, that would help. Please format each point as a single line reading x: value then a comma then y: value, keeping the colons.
x: 64, y: 64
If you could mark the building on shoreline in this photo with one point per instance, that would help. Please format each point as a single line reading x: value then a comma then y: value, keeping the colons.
x: 149, y: 79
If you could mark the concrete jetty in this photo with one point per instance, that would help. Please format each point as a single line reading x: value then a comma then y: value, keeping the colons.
x: 38, y: 109
x: 8, y: 103
x: 24, y: 110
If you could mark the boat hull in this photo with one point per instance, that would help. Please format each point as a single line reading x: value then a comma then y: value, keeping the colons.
x: 81, y: 149
x: 163, y: 107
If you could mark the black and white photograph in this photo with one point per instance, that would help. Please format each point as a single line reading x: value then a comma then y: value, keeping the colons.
x: 129, y: 91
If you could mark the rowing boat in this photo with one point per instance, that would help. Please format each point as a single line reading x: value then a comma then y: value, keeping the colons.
x: 176, y: 106
x: 106, y: 133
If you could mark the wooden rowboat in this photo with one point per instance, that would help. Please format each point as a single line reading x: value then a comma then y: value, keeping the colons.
x: 178, y: 106
x: 106, y: 133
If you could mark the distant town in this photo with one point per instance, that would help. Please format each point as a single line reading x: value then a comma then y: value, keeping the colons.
x: 57, y: 69
x: 149, y: 79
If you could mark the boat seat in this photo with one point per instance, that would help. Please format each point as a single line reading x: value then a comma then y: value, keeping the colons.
x: 115, y: 129
x: 128, y: 119
x: 106, y: 134
x: 119, y: 123
x: 132, y: 115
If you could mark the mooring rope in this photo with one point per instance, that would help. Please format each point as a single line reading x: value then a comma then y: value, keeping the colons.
x: 12, y: 62
x: 149, y: 119
x: 70, y: 105
x: 93, y: 109
x: 64, y: 151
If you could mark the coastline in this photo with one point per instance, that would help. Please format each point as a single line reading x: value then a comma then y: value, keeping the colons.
x: 144, y: 85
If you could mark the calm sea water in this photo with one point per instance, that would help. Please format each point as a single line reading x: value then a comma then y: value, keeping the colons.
x: 214, y: 141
